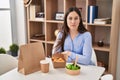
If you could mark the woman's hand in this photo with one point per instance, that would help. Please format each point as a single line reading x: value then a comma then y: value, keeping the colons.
x: 66, y: 54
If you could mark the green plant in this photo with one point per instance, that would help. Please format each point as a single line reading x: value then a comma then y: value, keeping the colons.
x: 2, y: 50
x: 14, y: 48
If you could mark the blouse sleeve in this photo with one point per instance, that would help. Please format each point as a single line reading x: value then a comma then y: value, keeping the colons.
x: 58, y: 38
x: 85, y: 58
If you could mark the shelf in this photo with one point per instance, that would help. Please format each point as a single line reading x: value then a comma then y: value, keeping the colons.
x: 104, y: 48
x: 37, y: 40
x: 54, y: 21
x: 38, y: 37
x: 50, y: 42
x: 107, y: 25
x: 37, y: 20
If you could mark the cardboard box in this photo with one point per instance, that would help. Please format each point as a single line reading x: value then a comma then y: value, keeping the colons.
x: 58, y: 60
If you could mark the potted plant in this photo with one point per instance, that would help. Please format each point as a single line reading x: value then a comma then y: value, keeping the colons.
x: 14, y: 49
x: 2, y: 50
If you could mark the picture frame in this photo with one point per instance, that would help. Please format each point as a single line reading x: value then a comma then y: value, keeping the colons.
x: 59, y: 16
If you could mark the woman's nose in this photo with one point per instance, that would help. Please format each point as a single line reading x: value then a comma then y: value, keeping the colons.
x: 73, y: 21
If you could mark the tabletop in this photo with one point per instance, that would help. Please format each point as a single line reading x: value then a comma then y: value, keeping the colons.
x: 86, y: 73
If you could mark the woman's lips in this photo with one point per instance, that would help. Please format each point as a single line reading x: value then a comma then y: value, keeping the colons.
x: 73, y: 25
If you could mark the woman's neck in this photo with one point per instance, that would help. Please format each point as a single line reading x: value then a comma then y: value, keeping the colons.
x: 73, y: 34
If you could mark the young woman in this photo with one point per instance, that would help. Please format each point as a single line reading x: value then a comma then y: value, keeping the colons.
x: 74, y: 39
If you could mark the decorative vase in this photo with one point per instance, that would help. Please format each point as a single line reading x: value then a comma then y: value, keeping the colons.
x: 100, y: 43
x: 56, y: 32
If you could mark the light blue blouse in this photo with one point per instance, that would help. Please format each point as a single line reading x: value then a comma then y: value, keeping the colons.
x: 81, y: 45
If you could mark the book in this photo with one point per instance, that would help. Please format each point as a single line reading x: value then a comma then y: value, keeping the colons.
x: 92, y: 13
x: 102, y: 19
x: 100, y: 22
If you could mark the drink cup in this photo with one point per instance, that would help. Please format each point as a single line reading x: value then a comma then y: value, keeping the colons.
x: 44, y: 66
x: 107, y: 77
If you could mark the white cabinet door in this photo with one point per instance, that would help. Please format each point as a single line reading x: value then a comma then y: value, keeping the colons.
x: 5, y: 24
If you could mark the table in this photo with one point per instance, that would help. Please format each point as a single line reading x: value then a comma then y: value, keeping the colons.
x: 86, y: 73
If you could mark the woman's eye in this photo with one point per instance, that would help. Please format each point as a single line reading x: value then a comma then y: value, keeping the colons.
x: 76, y: 18
x: 70, y: 18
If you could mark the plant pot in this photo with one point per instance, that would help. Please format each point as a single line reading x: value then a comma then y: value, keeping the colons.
x: 14, y: 54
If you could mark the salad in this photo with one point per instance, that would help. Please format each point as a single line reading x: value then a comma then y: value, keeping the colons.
x: 72, y: 67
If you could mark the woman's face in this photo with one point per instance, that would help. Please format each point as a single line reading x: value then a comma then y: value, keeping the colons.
x: 73, y: 20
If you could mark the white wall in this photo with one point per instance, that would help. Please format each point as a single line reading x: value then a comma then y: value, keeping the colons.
x: 13, y: 21
x: 20, y: 22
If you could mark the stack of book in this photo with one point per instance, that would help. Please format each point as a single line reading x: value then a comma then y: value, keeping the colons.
x: 102, y: 21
